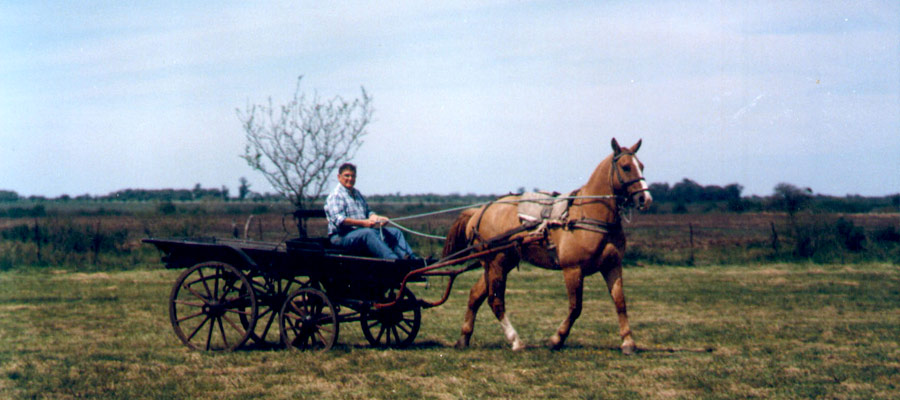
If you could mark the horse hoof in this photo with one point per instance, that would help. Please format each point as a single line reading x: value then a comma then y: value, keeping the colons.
x: 518, y: 346
x: 628, y: 349
x: 461, y: 344
x: 555, y: 342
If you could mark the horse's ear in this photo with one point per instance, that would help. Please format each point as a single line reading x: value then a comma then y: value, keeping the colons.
x: 636, y: 146
x: 615, y: 147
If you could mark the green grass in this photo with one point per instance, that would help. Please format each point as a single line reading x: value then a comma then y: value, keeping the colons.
x: 772, y: 331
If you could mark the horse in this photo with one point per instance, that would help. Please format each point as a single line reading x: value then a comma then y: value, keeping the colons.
x: 592, y: 240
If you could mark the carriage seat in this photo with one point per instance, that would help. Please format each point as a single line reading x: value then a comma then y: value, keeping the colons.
x: 322, y: 245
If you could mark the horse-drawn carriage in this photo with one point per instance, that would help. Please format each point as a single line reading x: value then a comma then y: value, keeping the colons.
x: 297, y: 292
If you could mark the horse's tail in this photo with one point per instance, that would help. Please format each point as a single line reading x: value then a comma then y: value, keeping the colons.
x: 456, y: 238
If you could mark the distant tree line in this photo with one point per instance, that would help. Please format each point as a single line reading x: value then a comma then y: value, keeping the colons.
x: 198, y: 193
x: 688, y: 191
x: 9, y: 196
x: 682, y: 197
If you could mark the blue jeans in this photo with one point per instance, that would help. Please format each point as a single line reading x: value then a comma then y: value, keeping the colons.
x: 392, y: 246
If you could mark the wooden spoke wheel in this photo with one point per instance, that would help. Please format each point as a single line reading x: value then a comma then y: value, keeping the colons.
x: 395, y: 326
x: 212, y: 307
x: 270, y: 297
x: 308, y: 321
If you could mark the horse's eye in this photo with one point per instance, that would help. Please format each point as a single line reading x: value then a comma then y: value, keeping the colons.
x: 626, y: 168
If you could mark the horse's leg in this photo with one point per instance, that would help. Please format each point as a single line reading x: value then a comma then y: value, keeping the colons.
x: 613, y: 278
x: 575, y: 288
x: 496, y: 288
x: 476, y: 296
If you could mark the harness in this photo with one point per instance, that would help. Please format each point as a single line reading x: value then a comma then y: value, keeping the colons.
x: 539, y: 220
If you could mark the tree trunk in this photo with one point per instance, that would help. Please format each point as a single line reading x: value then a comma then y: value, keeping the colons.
x: 301, y: 220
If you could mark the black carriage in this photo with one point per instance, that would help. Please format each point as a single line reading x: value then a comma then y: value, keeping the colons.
x: 234, y: 293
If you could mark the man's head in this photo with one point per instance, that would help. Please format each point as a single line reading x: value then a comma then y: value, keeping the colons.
x: 347, y: 175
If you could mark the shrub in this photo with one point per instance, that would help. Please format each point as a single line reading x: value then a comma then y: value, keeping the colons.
x: 736, y: 205
x: 20, y: 212
x: 852, y: 236
x: 824, y: 239
x: 167, y: 208
x: 888, y: 234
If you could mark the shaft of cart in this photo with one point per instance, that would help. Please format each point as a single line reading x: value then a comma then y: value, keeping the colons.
x: 436, y: 269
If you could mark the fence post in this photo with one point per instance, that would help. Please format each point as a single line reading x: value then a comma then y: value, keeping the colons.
x: 38, y: 239
x: 691, y: 229
x: 247, y: 227
x: 96, y: 241
x: 774, y: 238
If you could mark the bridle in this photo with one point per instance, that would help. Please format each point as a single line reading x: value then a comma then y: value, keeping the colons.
x: 615, y: 169
x: 623, y: 203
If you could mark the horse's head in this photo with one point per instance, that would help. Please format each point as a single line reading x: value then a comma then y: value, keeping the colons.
x: 629, y: 175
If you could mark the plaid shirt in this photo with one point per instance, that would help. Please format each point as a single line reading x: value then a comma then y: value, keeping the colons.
x: 344, y: 203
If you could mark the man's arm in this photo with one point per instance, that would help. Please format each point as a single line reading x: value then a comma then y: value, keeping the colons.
x: 334, y: 212
x: 374, y: 221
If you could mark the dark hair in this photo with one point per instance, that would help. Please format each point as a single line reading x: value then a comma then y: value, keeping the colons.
x: 346, y: 166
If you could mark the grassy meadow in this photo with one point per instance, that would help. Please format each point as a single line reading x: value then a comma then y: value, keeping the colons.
x: 779, y: 330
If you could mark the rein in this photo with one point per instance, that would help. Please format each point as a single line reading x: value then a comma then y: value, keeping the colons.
x: 622, y: 205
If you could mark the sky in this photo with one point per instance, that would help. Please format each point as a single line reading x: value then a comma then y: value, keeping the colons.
x: 478, y: 97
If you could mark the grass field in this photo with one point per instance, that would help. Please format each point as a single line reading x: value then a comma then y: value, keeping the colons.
x: 770, y: 331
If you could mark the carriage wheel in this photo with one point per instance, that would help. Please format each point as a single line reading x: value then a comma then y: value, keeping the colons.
x: 270, y: 296
x: 308, y: 321
x: 212, y: 307
x: 396, y: 326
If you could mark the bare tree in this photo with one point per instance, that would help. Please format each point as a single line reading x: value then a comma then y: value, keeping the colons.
x: 299, y: 145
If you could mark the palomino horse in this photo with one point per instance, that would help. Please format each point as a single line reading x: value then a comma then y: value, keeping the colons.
x: 591, y: 241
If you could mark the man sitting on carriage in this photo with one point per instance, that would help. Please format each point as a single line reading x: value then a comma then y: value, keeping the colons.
x: 353, y: 226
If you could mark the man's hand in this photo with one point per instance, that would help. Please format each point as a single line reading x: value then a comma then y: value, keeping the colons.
x: 377, y: 221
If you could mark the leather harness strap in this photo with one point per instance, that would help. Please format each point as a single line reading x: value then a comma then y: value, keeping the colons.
x: 594, y: 225
x: 487, y: 243
x: 508, y: 234
x: 475, y: 233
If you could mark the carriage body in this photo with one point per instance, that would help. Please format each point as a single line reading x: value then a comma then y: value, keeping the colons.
x: 239, y: 293
x: 341, y: 273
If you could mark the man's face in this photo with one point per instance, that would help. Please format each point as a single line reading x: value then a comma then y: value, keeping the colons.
x: 347, y: 178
